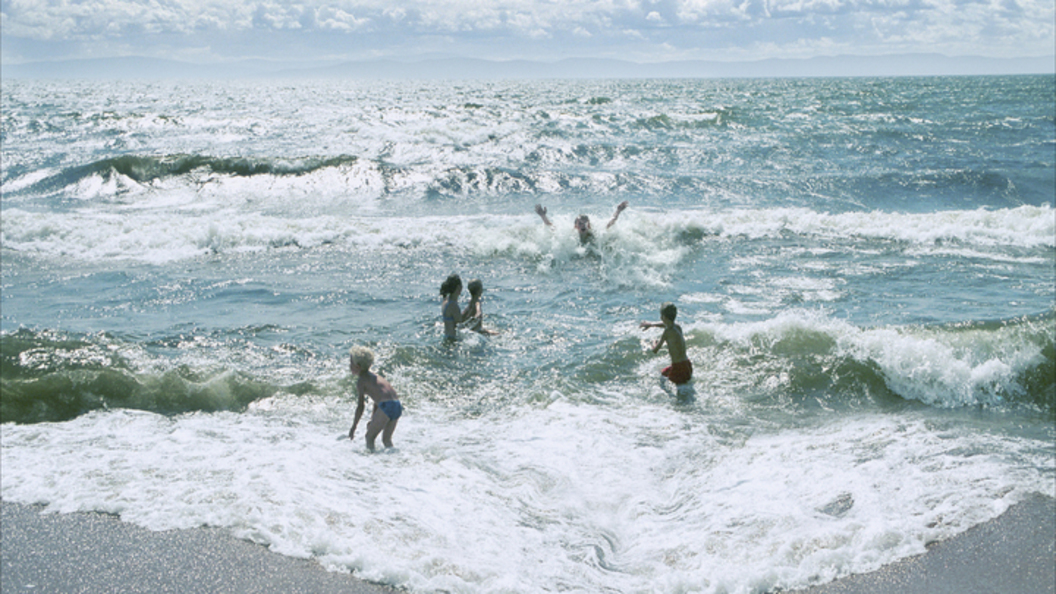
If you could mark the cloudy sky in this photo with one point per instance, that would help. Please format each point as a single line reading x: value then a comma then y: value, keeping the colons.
x: 204, y: 31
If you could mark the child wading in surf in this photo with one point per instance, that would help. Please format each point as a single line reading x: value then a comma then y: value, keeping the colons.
x: 452, y: 315
x: 387, y: 407
x: 681, y: 370
x: 473, y: 314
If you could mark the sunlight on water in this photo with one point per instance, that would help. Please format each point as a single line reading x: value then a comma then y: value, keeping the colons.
x: 866, y: 295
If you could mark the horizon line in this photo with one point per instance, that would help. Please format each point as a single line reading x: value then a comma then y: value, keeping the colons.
x: 841, y: 65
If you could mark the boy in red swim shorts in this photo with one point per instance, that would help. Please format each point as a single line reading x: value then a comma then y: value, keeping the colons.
x: 681, y: 370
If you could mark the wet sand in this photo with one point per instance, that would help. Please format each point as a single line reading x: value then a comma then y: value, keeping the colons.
x: 91, y: 552
x: 1014, y: 553
x: 98, y: 553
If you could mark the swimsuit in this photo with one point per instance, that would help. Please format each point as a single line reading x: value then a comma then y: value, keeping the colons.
x: 392, y: 409
x: 447, y: 319
x: 679, y: 373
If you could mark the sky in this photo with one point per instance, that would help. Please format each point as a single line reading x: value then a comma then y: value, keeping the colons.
x: 321, y: 31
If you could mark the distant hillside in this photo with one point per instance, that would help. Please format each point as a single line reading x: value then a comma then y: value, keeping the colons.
x: 464, y: 68
x: 132, y: 67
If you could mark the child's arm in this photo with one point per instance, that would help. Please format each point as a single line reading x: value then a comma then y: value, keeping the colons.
x: 660, y: 342
x: 472, y: 311
x: 616, y: 215
x: 663, y: 337
x: 359, y: 413
x: 541, y: 211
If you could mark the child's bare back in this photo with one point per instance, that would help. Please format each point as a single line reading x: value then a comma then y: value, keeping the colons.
x: 681, y: 370
x: 378, y: 388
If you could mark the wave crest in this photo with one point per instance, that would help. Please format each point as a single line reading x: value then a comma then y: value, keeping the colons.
x: 805, y: 356
x: 147, y: 169
x: 49, y: 378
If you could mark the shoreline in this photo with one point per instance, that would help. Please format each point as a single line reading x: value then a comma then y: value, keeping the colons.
x: 1014, y: 552
x: 97, y: 552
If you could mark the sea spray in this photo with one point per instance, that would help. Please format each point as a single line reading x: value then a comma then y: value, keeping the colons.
x: 865, y: 290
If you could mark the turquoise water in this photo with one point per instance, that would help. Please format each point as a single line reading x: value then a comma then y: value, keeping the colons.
x: 864, y: 269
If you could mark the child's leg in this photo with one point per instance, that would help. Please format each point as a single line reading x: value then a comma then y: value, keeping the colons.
x: 386, y: 437
x: 377, y: 423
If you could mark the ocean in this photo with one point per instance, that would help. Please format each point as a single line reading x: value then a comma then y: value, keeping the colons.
x: 864, y: 270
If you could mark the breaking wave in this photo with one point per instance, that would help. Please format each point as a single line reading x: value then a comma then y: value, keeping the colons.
x: 796, y: 358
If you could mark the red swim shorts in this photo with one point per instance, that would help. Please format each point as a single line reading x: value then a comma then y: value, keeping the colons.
x: 679, y: 373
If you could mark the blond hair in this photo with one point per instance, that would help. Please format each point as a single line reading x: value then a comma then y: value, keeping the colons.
x: 362, y: 357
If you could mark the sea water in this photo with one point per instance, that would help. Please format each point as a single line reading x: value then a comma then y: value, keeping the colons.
x: 863, y: 268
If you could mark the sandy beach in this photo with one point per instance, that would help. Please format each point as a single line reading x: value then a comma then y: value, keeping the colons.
x: 91, y: 552
x: 1015, y: 552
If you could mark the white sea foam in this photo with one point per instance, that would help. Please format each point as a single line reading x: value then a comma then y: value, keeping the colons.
x: 179, y: 225
x: 665, y: 500
x: 1022, y: 226
x: 25, y: 181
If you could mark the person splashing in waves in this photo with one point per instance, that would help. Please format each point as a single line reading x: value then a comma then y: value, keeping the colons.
x: 452, y: 315
x: 387, y: 407
x: 681, y: 370
x: 582, y: 223
x: 473, y: 314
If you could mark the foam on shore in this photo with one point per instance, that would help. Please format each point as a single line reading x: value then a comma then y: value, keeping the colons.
x: 97, y: 552
x: 1015, y: 552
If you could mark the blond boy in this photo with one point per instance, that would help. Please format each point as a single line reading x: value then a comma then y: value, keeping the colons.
x: 387, y: 407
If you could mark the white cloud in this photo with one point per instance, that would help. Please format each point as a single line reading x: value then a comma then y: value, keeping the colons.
x: 530, y: 28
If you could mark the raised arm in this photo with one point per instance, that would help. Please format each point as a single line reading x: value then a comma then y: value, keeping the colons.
x: 541, y: 211
x: 619, y: 208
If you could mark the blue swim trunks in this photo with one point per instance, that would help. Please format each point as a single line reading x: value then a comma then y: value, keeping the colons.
x: 392, y: 409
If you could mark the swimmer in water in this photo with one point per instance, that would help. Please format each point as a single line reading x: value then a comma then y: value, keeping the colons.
x: 449, y: 310
x: 473, y: 314
x: 582, y: 223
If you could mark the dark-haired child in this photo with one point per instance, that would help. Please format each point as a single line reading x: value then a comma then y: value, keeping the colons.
x: 681, y: 370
